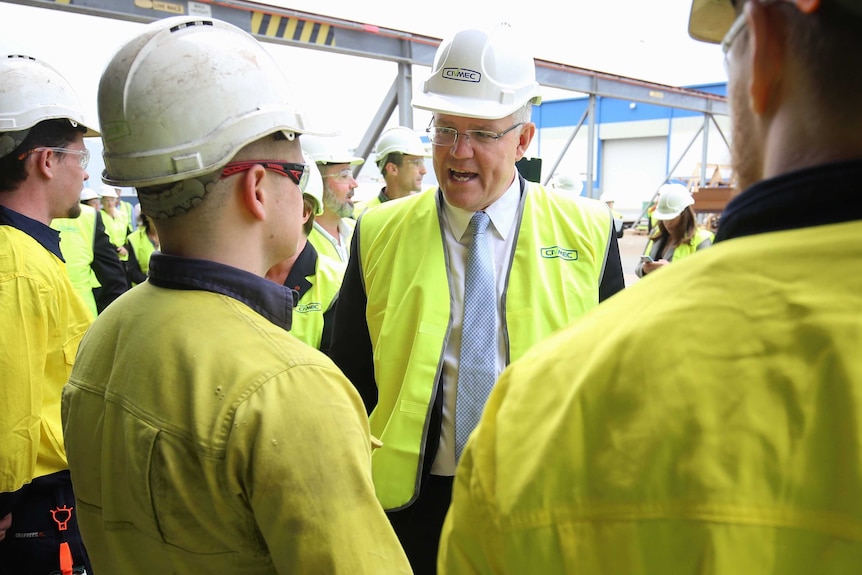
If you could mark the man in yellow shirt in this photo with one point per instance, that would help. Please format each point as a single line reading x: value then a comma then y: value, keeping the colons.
x: 707, y: 420
x: 202, y: 436
x: 43, y: 164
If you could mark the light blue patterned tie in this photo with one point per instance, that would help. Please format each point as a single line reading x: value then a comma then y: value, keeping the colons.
x: 477, y: 365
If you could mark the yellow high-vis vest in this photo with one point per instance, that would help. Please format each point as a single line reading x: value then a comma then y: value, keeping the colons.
x: 554, y: 275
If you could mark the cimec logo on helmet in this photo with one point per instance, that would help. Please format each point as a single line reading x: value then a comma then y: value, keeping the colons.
x: 462, y: 74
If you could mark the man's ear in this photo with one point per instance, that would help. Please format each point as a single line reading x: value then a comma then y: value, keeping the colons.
x: 525, y: 136
x: 767, y: 52
x: 253, y: 191
x: 43, y: 163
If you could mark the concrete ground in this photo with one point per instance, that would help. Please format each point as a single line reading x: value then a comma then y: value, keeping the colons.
x: 632, y: 245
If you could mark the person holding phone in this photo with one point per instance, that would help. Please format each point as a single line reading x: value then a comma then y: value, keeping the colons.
x: 676, y: 235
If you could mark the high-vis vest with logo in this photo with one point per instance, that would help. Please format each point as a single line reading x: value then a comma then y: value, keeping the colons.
x: 307, y: 321
x: 76, y: 245
x: 554, y: 275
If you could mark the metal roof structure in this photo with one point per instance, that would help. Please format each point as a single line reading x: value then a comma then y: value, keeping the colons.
x: 318, y: 32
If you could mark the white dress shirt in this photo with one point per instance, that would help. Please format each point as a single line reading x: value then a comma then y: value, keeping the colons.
x: 500, y: 234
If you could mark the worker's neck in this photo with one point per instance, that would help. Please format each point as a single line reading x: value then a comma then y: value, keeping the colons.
x: 329, y: 221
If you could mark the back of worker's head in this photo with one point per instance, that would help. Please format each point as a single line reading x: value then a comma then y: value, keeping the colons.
x: 823, y: 40
x: 395, y: 143
x: 38, y: 108
x: 182, y: 99
x: 480, y: 74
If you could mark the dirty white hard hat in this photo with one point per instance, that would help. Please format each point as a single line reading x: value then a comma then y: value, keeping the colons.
x: 181, y: 98
x: 479, y: 74
x: 673, y: 199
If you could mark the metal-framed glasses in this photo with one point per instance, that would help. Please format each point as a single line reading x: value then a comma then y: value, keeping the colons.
x: 448, y: 136
x: 732, y: 32
x: 341, y: 177
x: 739, y: 25
x: 83, y: 155
x: 296, y: 172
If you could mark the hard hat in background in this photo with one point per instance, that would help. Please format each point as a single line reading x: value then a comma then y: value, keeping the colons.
x: 32, y: 92
x: 607, y: 198
x: 88, y: 194
x: 710, y: 20
x: 180, y: 99
x: 480, y: 75
x: 673, y: 199
x: 314, y: 187
x: 327, y: 150
x: 399, y: 140
x: 106, y: 191
x: 567, y: 182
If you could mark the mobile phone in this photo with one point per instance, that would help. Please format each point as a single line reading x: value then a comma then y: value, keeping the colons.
x: 646, y: 259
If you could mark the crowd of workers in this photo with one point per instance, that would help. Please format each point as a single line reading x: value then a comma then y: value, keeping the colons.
x: 298, y: 385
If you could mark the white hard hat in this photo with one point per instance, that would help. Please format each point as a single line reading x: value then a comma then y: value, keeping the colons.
x: 399, y: 140
x: 710, y: 19
x: 106, y: 191
x: 480, y: 75
x: 607, y: 198
x: 88, y: 194
x: 567, y: 182
x: 673, y: 199
x: 32, y: 92
x: 314, y: 187
x: 182, y: 97
x: 328, y: 150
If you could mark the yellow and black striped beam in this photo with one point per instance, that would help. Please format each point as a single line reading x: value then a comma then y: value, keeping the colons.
x: 294, y: 29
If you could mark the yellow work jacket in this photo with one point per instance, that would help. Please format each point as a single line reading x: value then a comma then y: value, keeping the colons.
x: 554, y: 275
x: 76, y: 242
x: 143, y: 247
x: 42, y: 320
x: 720, y: 449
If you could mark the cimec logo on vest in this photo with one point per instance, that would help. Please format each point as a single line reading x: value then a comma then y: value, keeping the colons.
x: 462, y: 74
x: 560, y: 253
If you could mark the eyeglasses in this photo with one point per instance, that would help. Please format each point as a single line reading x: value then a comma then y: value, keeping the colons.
x: 734, y: 30
x: 296, y: 172
x: 83, y: 155
x: 739, y: 25
x: 341, y: 177
x: 418, y: 162
x: 448, y: 136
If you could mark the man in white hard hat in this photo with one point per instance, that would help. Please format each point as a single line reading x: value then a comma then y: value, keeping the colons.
x: 43, y: 166
x: 406, y: 333
x: 316, y: 278
x: 716, y: 427
x: 401, y: 159
x: 201, y: 435
x: 333, y: 229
